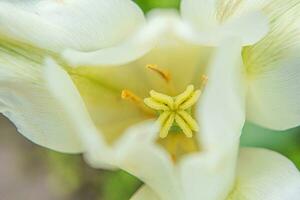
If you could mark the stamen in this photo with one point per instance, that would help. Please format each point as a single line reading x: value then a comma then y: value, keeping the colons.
x: 128, y: 95
x: 184, y: 126
x: 189, y: 120
x: 191, y: 101
x: 163, y: 117
x: 184, y: 96
x: 167, y: 125
x: 162, y: 98
x: 150, y: 102
x: 163, y: 73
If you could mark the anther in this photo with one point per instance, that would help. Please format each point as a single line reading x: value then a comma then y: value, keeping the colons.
x: 163, y: 73
x: 128, y: 95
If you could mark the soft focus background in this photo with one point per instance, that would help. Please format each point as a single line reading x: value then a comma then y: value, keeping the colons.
x: 30, y: 172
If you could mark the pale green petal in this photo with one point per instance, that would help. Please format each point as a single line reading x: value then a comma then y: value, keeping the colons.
x: 80, y: 24
x: 221, y: 115
x: 27, y: 101
x: 273, y: 69
x: 144, y: 193
x: 265, y: 175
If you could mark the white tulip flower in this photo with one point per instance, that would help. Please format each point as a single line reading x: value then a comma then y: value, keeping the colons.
x: 120, y: 72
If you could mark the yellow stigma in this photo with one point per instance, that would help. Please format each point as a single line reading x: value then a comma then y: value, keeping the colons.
x: 175, y: 110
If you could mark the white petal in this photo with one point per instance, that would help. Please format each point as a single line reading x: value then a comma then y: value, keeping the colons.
x: 144, y: 193
x: 250, y: 25
x: 201, y: 13
x: 160, y: 24
x: 273, y: 70
x: 79, y: 24
x: 27, y: 101
x: 138, y: 154
x: 135, y: 151
x: 221, y: 116
x: 66, y: 93
x: 221, y: 109
x: 274, y: 96
x: 265, y: 175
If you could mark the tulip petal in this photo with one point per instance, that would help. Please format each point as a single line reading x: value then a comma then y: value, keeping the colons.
x: 273, y: 70
x: 265, y: 175
x: 27, y: 101
x: 201, y: 13
x: 80, y: 24
x: 159, y: 24
x: 137, y: 153
x: 250, y: 27
x: 214, y: 20
x: 221, y: 116
x: 223, y: 97
x: 274, y: 96
x: 144, y: 193
x: 135, y: 150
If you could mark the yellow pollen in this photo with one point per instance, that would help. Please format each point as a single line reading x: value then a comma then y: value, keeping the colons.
x: 163, y: 73
x: 175, y: 110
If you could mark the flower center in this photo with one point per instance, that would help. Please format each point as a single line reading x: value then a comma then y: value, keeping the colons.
x: 175, y: 111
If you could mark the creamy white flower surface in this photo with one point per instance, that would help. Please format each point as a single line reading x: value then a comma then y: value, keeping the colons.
x: 262, y: 175
x: 166, y: 163
x: 124, y: 73
x: 31, y: 30
x: 271, y: 63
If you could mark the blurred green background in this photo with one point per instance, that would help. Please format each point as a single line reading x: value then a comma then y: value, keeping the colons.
x: 37, y: 173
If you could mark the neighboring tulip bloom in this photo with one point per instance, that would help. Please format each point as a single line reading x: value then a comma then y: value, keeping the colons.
x: 123, y: 72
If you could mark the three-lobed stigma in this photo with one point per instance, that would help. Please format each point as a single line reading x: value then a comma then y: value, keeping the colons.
x: 175, y: 110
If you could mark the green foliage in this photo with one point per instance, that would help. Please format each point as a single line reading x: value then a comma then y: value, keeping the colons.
x: 119, y: 186
x: 147, y: 5
x: 284, y: 142
x: 72, y: 178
